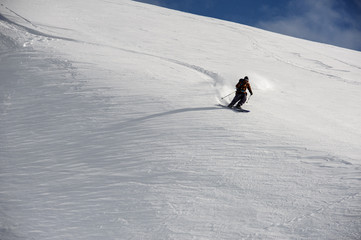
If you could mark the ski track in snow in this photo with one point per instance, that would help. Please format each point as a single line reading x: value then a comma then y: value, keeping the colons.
x: 212, y: 75
x: 77, y: 164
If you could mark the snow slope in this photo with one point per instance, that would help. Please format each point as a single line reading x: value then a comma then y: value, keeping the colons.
x: 111, y: 129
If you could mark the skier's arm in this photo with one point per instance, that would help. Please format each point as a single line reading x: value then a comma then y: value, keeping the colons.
x: 250, y: 89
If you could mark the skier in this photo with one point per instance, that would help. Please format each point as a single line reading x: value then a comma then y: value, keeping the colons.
x: 241, y: 94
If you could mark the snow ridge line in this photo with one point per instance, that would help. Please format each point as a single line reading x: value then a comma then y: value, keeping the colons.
x: 212, y: 75
x: 206, y: 72
x: 34, y: 32
x: 26, y: 20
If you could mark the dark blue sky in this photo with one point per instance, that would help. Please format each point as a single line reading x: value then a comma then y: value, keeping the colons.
x: 336, y: 22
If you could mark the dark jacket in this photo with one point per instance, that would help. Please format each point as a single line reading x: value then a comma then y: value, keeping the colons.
x: 242, y: 86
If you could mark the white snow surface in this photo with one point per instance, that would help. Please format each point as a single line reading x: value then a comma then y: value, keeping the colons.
x: 110, y: 127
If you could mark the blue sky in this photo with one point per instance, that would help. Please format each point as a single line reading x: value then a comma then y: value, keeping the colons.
x: 336, y: 22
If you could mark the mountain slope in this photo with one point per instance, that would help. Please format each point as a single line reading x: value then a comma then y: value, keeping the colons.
x: 111, y: 127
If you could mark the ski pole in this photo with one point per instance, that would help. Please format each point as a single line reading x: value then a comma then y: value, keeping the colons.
x: 249, y: 98
x: 227, y: 95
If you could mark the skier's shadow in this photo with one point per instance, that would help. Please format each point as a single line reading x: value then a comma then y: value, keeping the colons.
x: 182, y: 110
x: 135, y: 121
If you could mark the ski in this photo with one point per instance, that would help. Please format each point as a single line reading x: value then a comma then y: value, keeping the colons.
x: 234, y: 108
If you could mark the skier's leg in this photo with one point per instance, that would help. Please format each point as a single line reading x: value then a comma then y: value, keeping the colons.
x: 242, y: 100
x: 235, y: 99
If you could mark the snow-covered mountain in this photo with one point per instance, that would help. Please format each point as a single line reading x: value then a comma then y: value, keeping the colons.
x: 111, y: 127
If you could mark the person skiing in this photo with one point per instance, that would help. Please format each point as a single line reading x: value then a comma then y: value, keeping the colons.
x: 241, y: 92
